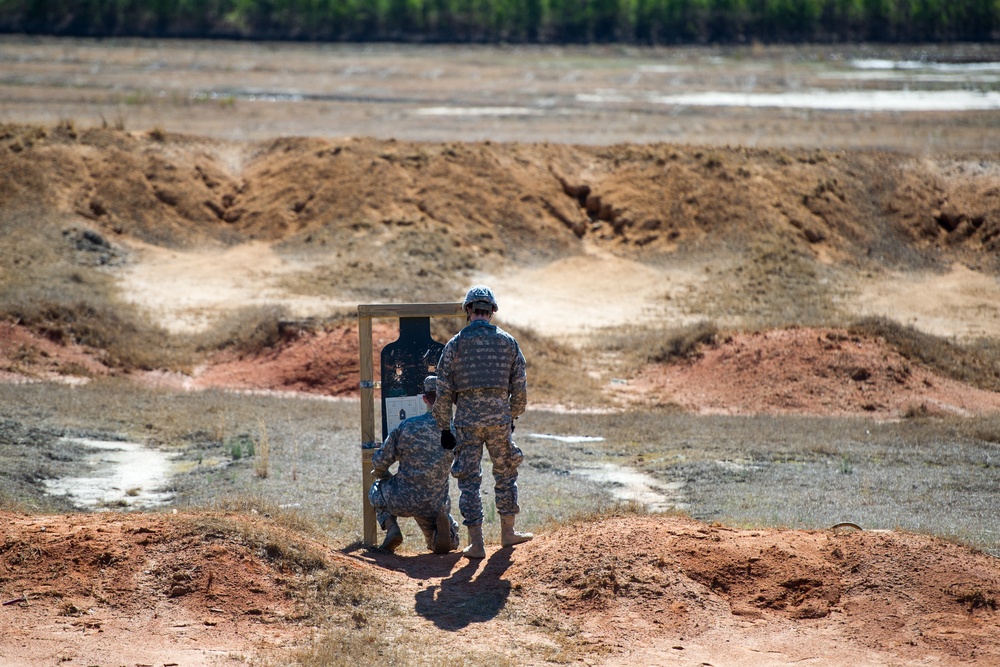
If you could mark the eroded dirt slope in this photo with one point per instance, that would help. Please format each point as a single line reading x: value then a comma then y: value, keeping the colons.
x: 524, y: 200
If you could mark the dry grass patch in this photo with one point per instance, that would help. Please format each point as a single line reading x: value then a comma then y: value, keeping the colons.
x: 245, y: 330
x: 556, y: 372
x: 772, y: 283
x: 976, y: 362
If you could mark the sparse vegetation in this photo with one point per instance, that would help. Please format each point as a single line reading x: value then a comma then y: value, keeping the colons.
x: 245, y: 330
x: 685, y: 342
x: 976, y: 362
x: 974, y: 598
x: 262, y: 460
x: 773, y: 283
x: 555, y: 372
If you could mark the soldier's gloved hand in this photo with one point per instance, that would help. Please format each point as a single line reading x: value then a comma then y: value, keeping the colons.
x: 447, y: 439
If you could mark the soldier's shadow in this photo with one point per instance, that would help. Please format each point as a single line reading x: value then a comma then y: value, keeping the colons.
x: 464, y: 598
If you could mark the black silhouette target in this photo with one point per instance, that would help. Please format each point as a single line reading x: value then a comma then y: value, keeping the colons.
x: 405, y: 363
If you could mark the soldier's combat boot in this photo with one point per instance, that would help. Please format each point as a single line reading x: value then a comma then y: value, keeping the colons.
x: 393, y: 535
x: 442, y: 534
x: 476, y: 548
x: 508, y: 536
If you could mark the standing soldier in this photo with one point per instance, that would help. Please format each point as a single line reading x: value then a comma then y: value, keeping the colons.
x: 482, y: 372
x: 420, y: 487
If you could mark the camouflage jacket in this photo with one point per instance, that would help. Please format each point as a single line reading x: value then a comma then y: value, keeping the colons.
x: 482, y: 372
x: 421, y: 484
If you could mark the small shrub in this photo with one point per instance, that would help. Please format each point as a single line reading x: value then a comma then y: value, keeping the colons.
x: 245, y: 330
x: 916, y: 411
x: 975, y: 598
x: 686, y: 342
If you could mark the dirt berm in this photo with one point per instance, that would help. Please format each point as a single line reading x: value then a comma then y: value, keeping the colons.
x: 457, y: 204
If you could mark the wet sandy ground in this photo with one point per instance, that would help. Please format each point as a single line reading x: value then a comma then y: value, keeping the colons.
x: 912, y: 99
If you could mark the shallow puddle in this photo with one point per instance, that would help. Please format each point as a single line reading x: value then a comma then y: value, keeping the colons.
x: 116, y: 475
x: 567, y: 438
x: 628, y: 484
x: 845, y: 100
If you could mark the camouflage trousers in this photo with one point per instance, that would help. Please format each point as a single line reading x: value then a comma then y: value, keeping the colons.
x: 468, y: 470
x: 427, y: 523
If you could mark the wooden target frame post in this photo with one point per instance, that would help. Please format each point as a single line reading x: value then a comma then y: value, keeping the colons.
x: 368, y: 385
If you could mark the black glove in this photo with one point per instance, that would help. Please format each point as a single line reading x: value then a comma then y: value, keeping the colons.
x: 447, y: 439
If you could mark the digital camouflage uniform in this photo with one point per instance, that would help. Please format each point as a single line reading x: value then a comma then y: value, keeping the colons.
x: 482, y: 371
x: 420, y: 487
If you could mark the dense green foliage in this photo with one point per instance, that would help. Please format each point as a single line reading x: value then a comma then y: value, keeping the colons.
x: 516, y: 21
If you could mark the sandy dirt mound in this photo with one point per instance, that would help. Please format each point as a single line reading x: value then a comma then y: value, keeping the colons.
x: 960, y: 302
x: 529, y: 201
x: 664, y: 590
x: 639, y: 590
x: 114, y: 589
x: 805, y: 371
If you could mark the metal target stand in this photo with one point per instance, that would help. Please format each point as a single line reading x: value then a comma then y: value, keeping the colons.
x: 368, y: 385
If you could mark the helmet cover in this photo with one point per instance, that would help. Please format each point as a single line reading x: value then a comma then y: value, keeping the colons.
x: 481, y: 297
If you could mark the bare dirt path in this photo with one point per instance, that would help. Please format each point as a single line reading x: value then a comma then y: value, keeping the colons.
x: 184, y: 290
x: 567, y: 299
x: 961, y: 302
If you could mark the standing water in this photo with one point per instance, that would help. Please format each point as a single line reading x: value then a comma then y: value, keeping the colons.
x: 116, y: 474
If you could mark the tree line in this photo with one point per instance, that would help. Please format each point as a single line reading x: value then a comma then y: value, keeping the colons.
x: 514, y: 21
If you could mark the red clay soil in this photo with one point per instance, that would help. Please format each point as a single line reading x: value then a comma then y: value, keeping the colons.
x: 164, y: 590
x: 326, y: 363
x: 116, y: 589
x: 789, y: 371
x: 806, y: 371
x: 672, y: 585
x: 26, y: 356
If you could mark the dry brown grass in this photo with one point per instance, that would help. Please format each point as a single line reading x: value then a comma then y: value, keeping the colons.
x: 976, y: 362
x: 245, y: 330
x: 555, y: 372
x: 282, y: 537
x: 51, y: 286
x: 773, y: 282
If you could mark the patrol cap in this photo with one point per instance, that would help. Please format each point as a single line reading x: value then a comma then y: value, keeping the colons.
x: 430, y: 384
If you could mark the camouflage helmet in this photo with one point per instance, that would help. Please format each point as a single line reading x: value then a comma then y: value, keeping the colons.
x: 481, y: 296
x: 430, y: 384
